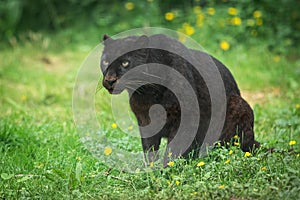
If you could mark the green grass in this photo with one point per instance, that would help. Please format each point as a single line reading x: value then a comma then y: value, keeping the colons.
x: 41, y: 155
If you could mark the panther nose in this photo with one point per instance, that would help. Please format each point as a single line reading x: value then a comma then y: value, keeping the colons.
x: 110, y: 81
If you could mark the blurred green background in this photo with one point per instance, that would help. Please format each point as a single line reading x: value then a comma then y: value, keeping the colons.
x: 276, y: 23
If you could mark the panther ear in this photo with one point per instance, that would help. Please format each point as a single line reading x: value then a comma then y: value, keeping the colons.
x: 105, y: 37
x: 143, y: 41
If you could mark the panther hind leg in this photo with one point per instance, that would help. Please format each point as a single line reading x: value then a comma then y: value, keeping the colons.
x: 239, y: 120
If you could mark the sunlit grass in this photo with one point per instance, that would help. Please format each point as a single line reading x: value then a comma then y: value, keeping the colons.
x: 41, y: 155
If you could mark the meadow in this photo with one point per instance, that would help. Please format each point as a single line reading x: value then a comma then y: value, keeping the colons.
x: 42, y: 157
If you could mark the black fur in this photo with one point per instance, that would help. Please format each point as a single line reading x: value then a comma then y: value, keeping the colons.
x: 239, y: 115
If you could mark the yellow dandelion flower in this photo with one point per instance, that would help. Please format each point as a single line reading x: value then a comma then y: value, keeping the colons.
x: 263, y: 168
x: 221, y: 186
x: 224, y: 45
x: 200, y: 20
x: 227, y: 161
x: 107, y: 151
x: 250, y: 22
x: 151, y: 164
x: 38, y: 165
x: 194, y: 193
x: 219, y: 144
x: 236, y: 137
x: 247, y: 154
x: 200, y: 164
x: 200, y: 17
x: 177, y: 182
x: 130, y: 127
x: 197, y: 9
x: 171, y: 164
x: 292, y: 142
x: 211, y: 11
x: 188, y: 29
x: 259, y: 22
x: 23, y: 97
x: 169, y: 16
x: 230, y: 152
x: 129, y: 6
x: 297, y: 106
x: 257, y: 14
x: 236, y: 144
x: 276, y: 58
x: 232, y: 11
x: 298, y: 155
x: 78, y: 158
x: 236, y: 21
x: 114, y: 125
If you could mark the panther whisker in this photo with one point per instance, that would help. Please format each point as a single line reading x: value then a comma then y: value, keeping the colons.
x: 151, y: 75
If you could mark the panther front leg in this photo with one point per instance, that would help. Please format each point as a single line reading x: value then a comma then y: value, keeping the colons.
x: 150, y: 148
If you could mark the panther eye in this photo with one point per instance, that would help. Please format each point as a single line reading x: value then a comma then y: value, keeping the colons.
x: 125, y: 63
x: 105, y: 62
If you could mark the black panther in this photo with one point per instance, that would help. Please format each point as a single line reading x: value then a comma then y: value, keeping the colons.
x: 122, y: 55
